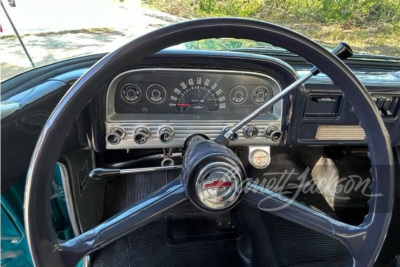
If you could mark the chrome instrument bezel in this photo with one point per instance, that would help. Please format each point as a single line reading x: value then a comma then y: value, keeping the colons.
x: 184, y: 128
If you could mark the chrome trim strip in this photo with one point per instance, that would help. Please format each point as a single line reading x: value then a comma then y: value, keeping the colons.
x: 86, y: 261
x: 70, y: 207
x: 182, y: 130
x: 68, y: 198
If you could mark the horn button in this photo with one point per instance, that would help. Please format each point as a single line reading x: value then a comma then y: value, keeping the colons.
x: 213, y: 175
x: 218, y: 185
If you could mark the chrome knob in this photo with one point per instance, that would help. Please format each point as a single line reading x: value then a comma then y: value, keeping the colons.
x: 250, y: 132
x: 141, y: 135
x: 113, y: 138
x: 269, y: 130
x: 234, y: 137
x: 166, y: 133
x: 118, y: 130
x: 276, y: 136
x: 116, y: 134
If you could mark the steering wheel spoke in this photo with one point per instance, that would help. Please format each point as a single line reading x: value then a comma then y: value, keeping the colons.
x: 292, y: 210
x: 354, y: 238
x: 139, y: 214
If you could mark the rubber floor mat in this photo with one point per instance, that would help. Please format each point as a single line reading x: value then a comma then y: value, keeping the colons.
x: 262, y: 240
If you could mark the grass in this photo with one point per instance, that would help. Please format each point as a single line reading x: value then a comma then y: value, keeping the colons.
x: 369, y: 26
x: 370, y: 40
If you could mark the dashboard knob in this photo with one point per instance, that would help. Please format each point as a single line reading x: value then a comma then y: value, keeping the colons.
x: 276, y: 136
x: 113, y: 138
x: 250, y: 132
x: 118, y: 130
x: 166, y: 133
x: 141, y: 135
x: 233, y: 137
x: 269, y: 130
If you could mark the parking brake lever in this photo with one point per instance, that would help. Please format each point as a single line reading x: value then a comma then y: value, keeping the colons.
x: 342, y: 51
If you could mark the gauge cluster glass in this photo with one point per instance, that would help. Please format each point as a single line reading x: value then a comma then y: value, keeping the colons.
x: 180, y: 93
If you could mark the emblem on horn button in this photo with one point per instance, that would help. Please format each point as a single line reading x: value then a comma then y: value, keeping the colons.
x: 218, y: 185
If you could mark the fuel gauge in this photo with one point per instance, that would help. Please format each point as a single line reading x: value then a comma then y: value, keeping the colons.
x: 131, y: 93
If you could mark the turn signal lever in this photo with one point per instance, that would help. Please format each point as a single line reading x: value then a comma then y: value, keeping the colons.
x: 101, y: 173
x: 342, y: 51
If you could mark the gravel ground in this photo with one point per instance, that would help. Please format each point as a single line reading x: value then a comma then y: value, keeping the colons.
x: 48, y: 47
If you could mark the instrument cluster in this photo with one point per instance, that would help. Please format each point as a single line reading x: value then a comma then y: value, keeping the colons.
x: 206, y: 101
x: 192, y: 92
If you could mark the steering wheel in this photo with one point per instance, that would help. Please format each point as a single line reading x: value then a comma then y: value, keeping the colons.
x: 363, y: 241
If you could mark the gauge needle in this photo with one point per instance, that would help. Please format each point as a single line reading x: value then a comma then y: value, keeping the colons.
x: 206, y: 95
x: 183, y: 105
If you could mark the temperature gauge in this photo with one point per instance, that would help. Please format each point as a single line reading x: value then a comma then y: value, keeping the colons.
x: 156, y: 94
x: 238, y: 95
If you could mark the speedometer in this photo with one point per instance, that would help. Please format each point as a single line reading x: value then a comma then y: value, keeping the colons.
x: 198, y: 97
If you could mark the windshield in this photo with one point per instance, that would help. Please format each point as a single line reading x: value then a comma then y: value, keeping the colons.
x: 47, y: 31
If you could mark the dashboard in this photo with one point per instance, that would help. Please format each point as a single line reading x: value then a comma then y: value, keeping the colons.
x: 317, y: 114
x: 161, y: 107
x: 162, y: 100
